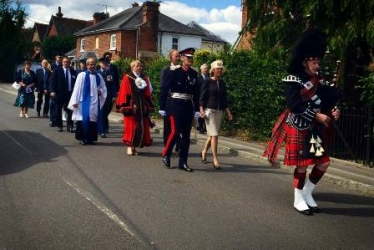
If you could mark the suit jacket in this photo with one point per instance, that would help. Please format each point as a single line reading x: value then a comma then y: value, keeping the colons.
x: 59, y: 85
x: 54, y: 65
x: 43, y: 82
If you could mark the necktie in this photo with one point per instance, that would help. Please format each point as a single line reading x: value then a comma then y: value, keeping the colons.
x: 67, y: 79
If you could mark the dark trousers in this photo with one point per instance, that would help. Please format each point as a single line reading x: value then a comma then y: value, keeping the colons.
x: 57, y: 105
x: 166, y: 128
x: 180, y: 131
x: 39, y: 103
x: 107, y: 108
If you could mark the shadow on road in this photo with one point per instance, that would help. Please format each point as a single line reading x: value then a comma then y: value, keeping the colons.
x: 349, y: 199
x: 22, y: 150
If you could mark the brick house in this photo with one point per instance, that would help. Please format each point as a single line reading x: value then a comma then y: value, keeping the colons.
x: 139, y: 32
x: 243, y: 42
x: 39, y: 32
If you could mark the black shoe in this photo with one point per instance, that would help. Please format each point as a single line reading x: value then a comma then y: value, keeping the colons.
x: 83, y: 142
x: 103, y: 135
x: 314, y: 209
x: 59, y: 129
x: 38, y: 114
x: 217, y: 167
x: 305, y: 212
x: 166, y: 161
x: 185, y: 167
x: 51, y: 124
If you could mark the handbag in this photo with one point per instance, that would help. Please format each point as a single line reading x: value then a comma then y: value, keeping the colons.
x: 16, y: 85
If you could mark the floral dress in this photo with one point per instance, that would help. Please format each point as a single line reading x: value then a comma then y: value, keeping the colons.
x: 25, y: 96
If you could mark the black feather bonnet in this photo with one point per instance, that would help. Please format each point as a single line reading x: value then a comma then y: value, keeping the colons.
x: 312, y: 44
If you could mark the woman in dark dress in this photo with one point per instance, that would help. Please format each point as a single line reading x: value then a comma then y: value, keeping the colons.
x: 25, y: 97
x: 213, y: 101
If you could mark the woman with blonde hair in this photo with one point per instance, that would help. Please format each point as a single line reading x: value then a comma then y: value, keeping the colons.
x: 134, y: 102
x: 25, y: 97
x: 213, y: 101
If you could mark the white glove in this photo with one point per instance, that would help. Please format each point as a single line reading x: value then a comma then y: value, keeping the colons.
x: 162, y: 113
x: 197, y: 115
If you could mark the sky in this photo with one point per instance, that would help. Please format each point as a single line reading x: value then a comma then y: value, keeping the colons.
x: 222, y: 17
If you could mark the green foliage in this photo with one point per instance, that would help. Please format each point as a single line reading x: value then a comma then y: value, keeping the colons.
x: 255, y: 93
x: 367, y: 88
x: 12, y: 43
x: 57, y: 45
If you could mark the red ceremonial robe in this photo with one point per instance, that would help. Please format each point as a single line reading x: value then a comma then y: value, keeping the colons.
x: 136, y: 105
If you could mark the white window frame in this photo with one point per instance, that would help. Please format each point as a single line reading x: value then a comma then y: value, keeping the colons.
x: 83, y: 44
x: 173, y: 44
x: 113, y: 42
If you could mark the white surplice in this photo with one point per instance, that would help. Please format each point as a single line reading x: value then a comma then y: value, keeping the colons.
x: 77, y: 97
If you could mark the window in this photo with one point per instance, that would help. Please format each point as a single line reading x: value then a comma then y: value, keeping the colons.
x: 97, y: 42
x: 113, y: 42
x: 83, y: 44
x: 174, y: 43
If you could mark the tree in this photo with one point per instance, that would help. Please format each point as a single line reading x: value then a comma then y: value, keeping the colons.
x: 349, y: 25
x: 12, y: 43
x: 57, y: 45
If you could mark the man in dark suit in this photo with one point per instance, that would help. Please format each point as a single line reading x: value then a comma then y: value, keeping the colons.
x: 43, y: 77
x: 61, y: 88
x: 57, y: 63
x: 204, y: 75
x: 107, y: 56
x: 82, y: 66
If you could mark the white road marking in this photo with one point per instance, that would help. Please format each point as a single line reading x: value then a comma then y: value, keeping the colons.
x: 101, y: 207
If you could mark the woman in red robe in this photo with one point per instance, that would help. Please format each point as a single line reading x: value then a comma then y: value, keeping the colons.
x: 134, y: 102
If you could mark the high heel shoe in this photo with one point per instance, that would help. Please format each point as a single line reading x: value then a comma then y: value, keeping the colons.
x: 203, y: 158
x: 217, y: 167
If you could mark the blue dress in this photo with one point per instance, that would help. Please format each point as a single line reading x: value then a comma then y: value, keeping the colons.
x: 25, y: 96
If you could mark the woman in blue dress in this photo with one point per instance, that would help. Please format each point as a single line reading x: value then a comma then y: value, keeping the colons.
x: 25, y: 97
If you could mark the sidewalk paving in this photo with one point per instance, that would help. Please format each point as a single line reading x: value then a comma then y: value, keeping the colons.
x: 344, y: 173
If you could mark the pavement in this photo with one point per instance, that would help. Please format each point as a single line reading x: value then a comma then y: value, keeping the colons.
x: 347, y: 174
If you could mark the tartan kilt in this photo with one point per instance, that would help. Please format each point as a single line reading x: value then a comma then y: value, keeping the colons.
x: 294, y: 143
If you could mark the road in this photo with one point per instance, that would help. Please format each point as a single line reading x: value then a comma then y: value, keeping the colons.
x: 58, y: 194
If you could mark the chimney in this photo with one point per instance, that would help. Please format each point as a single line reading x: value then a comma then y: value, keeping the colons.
x: 149, y: 28
x: 151, y: 13
x: 98, y: 16
x: 135, y: 4
x: 59, y: 13
x: 244, y: 14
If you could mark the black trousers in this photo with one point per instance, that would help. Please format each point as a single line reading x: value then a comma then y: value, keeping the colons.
x: 180, y: 131
x: 39, y: 103
x: 107, y: 108
x: 57, y: 105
